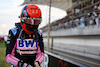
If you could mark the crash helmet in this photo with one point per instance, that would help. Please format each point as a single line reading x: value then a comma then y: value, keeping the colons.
x: 30, y: 18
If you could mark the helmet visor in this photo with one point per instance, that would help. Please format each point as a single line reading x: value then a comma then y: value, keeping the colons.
x: 33, y: 21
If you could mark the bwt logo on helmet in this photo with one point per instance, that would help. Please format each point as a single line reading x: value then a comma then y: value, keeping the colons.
x: 27, y: 44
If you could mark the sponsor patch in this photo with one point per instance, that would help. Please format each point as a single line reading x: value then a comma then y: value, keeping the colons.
x: 27, y: 44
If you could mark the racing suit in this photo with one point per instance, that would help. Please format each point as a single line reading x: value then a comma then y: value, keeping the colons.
x: 21, y: 46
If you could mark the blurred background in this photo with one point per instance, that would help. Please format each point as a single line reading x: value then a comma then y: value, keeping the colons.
x: 70, y: 27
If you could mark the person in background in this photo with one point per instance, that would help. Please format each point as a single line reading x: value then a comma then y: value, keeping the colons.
x: 96, y: 15
x: 0, y: 39
x: 5, y: 39
x: 25, y: 47
x: 82, y: 24
x: 99, y: 12
x: 97, y: 20
x: 66, y: 23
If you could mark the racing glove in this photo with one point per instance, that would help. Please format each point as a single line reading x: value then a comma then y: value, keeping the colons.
x: 21, y: 64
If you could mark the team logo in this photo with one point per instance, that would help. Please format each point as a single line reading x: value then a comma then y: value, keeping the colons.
x: 27, y: 44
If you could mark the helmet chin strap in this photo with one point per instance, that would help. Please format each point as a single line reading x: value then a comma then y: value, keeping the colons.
x: 24, y: 28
